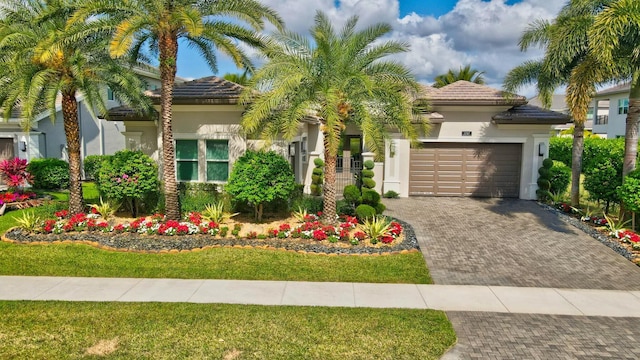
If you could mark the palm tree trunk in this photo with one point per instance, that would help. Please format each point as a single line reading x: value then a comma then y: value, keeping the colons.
x: 329, y: 208
x: 168, y: 46
x: 72, y: 133
x: 576, y: 162
x: 631, y: 130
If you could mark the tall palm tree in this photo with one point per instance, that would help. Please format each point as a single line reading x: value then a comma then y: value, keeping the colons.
x: 340, y: 78
x: 43, y: 59
x: 464, y: 73
x: 206, y: 25
x: 566, y: 44
x: 615, y: 39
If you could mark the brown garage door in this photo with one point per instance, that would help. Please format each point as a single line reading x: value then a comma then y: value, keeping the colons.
x: 455, y: 169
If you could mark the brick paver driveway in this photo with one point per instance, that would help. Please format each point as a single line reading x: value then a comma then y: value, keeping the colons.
x: 509, y: 243
x: 518, y: 243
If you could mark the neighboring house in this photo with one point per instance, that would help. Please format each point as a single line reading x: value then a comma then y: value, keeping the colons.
x: 559, y: 104
x: 612, y: 123
x: 47, y: 138
x: 481, y: 143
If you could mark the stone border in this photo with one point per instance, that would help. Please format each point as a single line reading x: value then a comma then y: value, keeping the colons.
x: 186, y: 243
x: 614, y: 245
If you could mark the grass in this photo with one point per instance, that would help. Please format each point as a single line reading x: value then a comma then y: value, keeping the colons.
x: 59, y: 330
x: 219, y: 263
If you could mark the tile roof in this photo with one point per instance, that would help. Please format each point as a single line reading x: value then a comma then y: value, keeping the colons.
x: 558, y: 102
x: 529, y: 114
x: 467, y: 93
x: 125, y: 113
x: 207, y: 90
x: 621, y: 88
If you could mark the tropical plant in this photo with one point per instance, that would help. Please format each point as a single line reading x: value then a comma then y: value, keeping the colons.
x: 205, y: 25
x: 28, y: 221
x: 616, y: 224
x: 215, y: 212
x: 464, y: 73
x: 300, y: 215
x: 375, y: 227
x: 14, y: 173
x: 258, y: 178
x: 337, y: 78
x: 106, y: 209
x: 240, y: 79
x: 43, y: 56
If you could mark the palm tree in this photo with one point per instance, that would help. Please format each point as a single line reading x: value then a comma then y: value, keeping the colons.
x: 40, y: 63
x: 464, y: 73
x: 242, y: 79
x: 339, y: 78
x: 614, y: 42
x: 159, y: 24
x: 566, y: 45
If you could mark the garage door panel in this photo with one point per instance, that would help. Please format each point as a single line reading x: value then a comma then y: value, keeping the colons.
x: 484, y: 170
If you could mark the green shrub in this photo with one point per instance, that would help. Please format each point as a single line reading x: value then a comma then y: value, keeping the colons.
x: 369, y: 164
x: 343, y: 207
x: 317, y: 177
x: 629, y: 192
x: 559, y: 177
x: 380, y: 208
x: 370, y: 197
x: 391, y: 195
x: 368, y: 183
x: 49, y: 173
x: 367, y: 173
x: 312, y: 204
x: 130, y: 178
x: 543, y: 180
x: 365, y: 211
x: 259, y: 178
x: 352, y: 194
x: 596, y: 151
x: 195, y: 196
x: 602, y: 183
x: 92, y: 165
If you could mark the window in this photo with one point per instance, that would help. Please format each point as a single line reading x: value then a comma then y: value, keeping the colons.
x: 217, y: 157
x: 623, y: 106
x: 187, y: 160
x: 110, y: 94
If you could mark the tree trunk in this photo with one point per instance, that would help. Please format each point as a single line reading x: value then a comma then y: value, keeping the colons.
x: 329, y: 209
x: 72, y: 133
x: 631, y: 130
x: 576, y: 162
x: 168, y: 44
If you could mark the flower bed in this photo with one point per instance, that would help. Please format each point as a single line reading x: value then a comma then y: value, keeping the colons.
x: 623, y: 241
x: 154, y: 233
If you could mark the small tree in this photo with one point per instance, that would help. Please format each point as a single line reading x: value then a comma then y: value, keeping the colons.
x: 259, y: 178
x: 629, y: 193
x: 129, y: 177
x: 602, y: 183
x: 544, y: 183
x: 317, y: 177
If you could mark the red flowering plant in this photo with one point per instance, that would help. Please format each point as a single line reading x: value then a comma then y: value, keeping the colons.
x: 319, y: 235
x: 62, y: 214
x: 14, y: 173
x: 629, y: 237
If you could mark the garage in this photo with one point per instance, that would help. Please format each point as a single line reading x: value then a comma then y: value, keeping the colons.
x: 465, y: 169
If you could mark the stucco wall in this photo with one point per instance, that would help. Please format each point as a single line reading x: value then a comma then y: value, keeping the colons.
x: 617, y: 122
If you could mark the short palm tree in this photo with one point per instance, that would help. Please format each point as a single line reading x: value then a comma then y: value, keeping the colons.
x: 159, y: 24
x: 338, y: 78
x: 464, y: 73
x: 44, y: 59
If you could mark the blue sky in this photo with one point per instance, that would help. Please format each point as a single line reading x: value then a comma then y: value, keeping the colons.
x: 443, y: 34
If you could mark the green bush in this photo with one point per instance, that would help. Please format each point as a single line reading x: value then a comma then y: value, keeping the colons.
x: 343, y: 207
x: 365, y: 211
x: 543, y: 180
x: 317, y: 178
x: 130, y: 178
x: 312, y: 204
x: 366, y: 173
x: 559, y: 177
x: 370, y: 197
x: 369, y: 164
x: 391, y: 195
x: 380, y: 208
x: 49, y: 173
x: 596, y: 151
x: 352, y: 194
x: 368, y: 183
x: 629, y: 192
x: 259, y: 178
x: 92, y: 165
x: 602, y: 183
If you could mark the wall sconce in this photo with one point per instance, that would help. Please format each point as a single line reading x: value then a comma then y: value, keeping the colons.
x: 23, y: 146
x: 542, y: 149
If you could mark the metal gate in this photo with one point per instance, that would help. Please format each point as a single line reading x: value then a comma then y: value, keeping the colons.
x: 348, y: 172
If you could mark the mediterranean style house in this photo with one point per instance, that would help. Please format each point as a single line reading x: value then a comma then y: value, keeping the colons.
x: 481, y: 143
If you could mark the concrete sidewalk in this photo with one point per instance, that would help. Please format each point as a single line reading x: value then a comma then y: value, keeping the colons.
x: 499, y: 299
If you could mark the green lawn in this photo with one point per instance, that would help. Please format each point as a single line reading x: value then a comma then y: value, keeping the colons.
x: 65, y: 330
x: 219, y: 263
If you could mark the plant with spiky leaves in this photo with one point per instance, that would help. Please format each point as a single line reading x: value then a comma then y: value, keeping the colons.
x: 204, y: 24
x: 42, y: 57
x: 464, y: 73
x: 337, y: 78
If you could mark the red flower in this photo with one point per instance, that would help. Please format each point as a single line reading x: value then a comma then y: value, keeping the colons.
x: 284, y: 227
x: 344, y: 235
x: 68, y: 227
x: 386, y: 239
x: 182, y: 229
x: 62, y: 214
x: 195, y: 218
x: 273, y: 233
x: 329, y: 230
x: 49, y: 225
x: 118, y: 228
x: 359, y: 235
x: 319, y: 235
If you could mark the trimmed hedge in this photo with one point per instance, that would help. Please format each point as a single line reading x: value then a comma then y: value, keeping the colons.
x: 559, y: 177
x: 596, y: 151
x: 49, y: 173
x: 92, y: 165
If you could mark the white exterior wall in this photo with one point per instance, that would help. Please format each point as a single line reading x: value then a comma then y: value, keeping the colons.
x: 478, y: 121
x: 617, y: 122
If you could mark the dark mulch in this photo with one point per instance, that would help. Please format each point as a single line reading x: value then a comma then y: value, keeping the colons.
x: 155, y: 243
